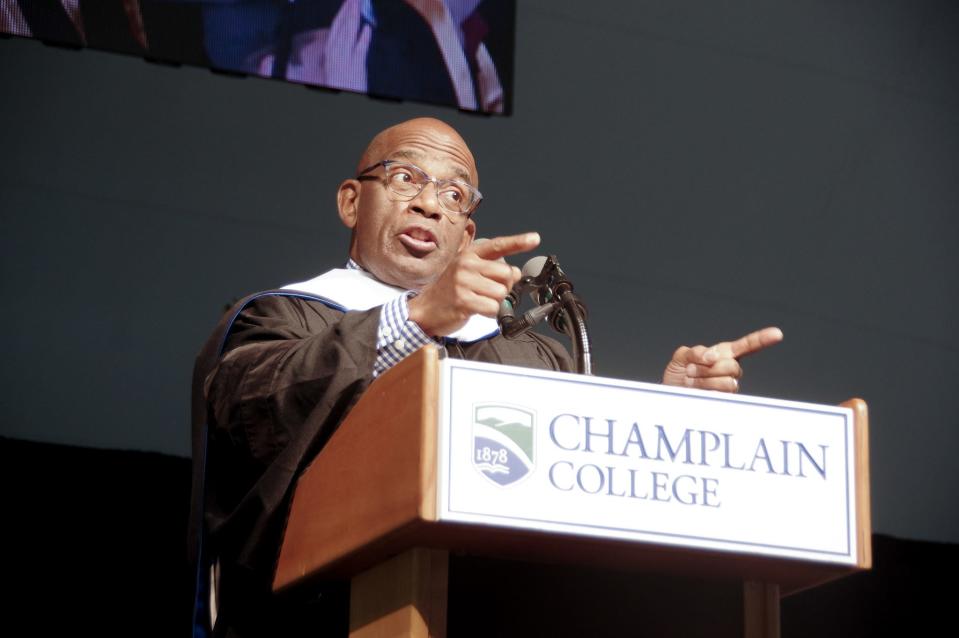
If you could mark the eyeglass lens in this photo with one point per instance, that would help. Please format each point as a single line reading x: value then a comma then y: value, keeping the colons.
x: 407, y: 180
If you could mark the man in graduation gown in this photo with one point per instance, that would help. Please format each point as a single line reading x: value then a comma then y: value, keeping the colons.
x: 283, y: 368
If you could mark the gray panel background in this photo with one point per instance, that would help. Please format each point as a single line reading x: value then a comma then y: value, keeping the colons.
x: 701, y: 170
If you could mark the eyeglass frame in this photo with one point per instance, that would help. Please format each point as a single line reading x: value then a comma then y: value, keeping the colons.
x: 436, y: 181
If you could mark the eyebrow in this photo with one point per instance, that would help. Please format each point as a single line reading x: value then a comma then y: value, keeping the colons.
x: 418, y: 155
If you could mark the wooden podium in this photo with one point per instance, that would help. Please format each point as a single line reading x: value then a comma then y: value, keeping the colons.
x: 367, y: 509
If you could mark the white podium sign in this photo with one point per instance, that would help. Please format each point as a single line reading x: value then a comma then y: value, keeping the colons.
x: 601, y: 457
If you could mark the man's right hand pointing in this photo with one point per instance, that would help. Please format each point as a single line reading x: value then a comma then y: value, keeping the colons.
x: 473, y: 284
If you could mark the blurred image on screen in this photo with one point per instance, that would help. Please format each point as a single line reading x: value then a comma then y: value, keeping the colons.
x: 454, y: 52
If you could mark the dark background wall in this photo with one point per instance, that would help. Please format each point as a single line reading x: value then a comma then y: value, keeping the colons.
x: 701, y: 169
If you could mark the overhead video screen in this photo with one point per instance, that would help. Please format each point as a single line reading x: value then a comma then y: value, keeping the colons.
x: 453, y: 52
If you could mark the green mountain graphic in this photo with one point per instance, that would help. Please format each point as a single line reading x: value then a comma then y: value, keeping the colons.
x: 521, y: 434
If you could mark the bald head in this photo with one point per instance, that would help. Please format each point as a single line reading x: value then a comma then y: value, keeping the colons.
x: 418, y: 138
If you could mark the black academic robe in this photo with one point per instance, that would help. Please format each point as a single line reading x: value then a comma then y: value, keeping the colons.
x: 274, y: 381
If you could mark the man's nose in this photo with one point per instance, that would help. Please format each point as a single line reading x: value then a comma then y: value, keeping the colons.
x: 427, y: 202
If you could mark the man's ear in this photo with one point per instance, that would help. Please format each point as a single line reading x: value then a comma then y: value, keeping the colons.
x: 347, y: 199
x: 469, y: 232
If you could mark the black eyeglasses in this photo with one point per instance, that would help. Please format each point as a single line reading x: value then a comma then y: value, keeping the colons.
x: 407, y: 181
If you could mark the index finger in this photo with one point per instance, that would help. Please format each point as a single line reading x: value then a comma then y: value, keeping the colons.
x: 755, y: 341
x: 509, y: 245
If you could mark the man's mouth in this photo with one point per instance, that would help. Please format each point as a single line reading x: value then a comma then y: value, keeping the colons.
x: 418, y: 241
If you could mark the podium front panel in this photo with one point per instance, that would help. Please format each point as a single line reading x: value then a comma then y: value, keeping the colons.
x: 604, y: 458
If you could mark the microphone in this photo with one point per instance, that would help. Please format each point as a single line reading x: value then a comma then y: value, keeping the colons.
x: 531, y: 270
x: 510, y: 326
x: 534, y: 267
x: 547, y: 283
x: 552, y: 291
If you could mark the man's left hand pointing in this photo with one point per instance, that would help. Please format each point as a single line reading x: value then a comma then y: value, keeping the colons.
x: 717, y: 367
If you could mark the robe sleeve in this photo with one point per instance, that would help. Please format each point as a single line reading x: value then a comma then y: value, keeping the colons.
x: 290, y: 372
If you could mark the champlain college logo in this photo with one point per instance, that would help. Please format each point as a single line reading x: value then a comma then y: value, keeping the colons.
x: 503, y: 442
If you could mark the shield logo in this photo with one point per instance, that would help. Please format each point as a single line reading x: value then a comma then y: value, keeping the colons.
x: 503, y: 442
